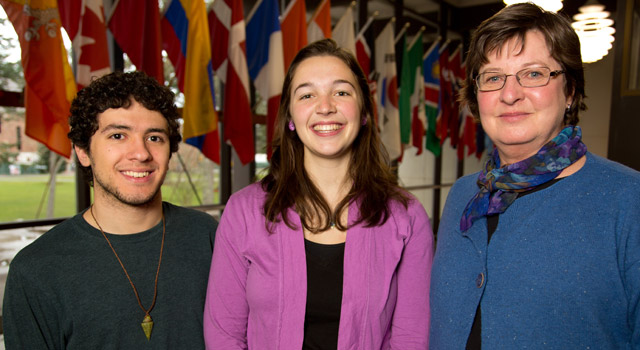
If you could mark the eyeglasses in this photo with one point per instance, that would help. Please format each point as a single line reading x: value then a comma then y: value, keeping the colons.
x: 528, y: 77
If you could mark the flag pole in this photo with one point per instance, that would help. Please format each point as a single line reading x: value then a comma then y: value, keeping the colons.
x: 444, y: 46
x: 351, y: 6
x: 316, y: 11
x: 418, y: 36
x: 367, y: 24
x: 112, y: 9
x: 431, y: 48
x: 457, y: 50
x: 253, y: 11
x: 287, y: 10
x: 402, y: 31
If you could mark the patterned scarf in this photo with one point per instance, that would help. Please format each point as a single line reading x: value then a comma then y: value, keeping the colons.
x: 499, y: 187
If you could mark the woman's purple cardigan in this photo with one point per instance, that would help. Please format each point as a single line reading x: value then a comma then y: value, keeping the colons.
x: 257, y: 287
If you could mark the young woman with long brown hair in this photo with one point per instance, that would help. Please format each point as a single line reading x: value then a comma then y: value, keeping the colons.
x: 326, y: 251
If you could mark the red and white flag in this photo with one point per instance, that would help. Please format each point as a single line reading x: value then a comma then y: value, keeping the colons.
x: 84, y: 21
x: 363, y: 55
x: 320, y: 25
x: 226, y: 25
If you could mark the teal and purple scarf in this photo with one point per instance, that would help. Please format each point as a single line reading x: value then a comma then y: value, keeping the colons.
x: 499, y: 187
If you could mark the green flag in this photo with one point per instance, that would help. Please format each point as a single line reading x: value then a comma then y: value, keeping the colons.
x: 411, y: 65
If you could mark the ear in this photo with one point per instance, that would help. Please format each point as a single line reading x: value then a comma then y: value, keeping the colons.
x: 569, y: 100
x: 83, y: 156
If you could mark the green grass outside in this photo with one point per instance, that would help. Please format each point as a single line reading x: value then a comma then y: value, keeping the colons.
x: 20, y: 196
x: 177, y: 190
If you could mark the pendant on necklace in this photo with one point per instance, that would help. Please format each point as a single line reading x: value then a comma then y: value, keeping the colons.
x: 147, y: 326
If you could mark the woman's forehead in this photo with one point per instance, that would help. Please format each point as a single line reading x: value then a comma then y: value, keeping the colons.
x: 527, y: 50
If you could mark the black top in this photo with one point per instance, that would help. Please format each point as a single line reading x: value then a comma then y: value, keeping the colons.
x: 325, y: 264
x: 475, y: 337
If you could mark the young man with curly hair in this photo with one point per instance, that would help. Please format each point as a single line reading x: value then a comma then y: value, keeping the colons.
x: 130, y: 272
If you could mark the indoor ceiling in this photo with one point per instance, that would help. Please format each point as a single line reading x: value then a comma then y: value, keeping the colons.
x: 465, y: 13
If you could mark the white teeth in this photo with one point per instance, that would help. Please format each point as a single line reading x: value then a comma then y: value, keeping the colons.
x: 326, y: 127
x: 136, y: 174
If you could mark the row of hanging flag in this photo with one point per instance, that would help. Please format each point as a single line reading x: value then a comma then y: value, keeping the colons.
x: 201, y: 43
x: 425, y: 111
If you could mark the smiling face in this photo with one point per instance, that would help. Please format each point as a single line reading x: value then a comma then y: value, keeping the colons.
x: 325, y: 107
x: 521, y: 120
x: 129, y: 155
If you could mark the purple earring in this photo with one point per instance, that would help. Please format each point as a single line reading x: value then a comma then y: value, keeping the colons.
x: 292, y: 126
x: 364, y: 121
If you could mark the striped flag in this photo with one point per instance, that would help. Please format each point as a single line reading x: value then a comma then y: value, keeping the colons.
x: 50, y: 86
x: 363, y: 55
x: 387, y: 94
x: 319, y: 27
x: 185, y: 37
x: 226, y: 26
x: 265, y: 58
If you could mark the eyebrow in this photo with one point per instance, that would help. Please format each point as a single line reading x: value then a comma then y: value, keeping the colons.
x: 335, y: 82
x: 128, y: 128
x: 524, y: 66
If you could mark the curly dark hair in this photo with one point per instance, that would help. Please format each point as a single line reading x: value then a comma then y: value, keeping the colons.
x: 118, y: 90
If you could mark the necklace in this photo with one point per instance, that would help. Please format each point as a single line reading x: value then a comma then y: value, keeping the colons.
x: 147, y: 322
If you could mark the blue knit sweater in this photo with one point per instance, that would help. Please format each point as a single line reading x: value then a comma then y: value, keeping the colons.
x: 562, y: 270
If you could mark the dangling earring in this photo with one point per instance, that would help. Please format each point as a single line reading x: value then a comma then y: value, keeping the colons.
x: 292, y: 126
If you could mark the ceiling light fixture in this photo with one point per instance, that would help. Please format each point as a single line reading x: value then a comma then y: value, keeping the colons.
x: 594, y: 30
x: 548, y: 5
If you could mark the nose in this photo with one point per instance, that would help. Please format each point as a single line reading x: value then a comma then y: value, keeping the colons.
x: 512, y: 90
x: 326, y: 105
x: 139, y: 150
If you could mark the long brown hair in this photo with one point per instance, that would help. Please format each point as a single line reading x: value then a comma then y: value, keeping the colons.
x: 287, y: 183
